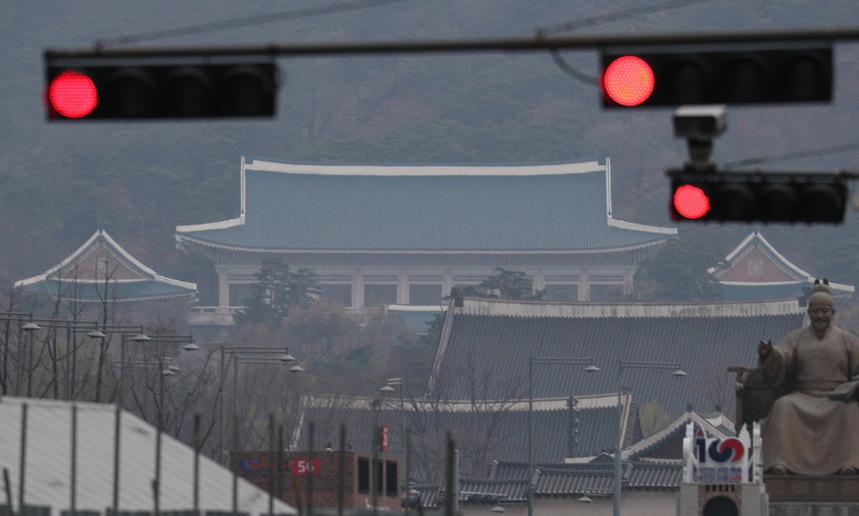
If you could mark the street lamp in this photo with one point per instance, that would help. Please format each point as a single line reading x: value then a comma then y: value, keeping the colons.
x: 163, y: 372
x: 532, y: 361
x: 9, y: 317
x: 618, y: 476
x: 72, y: 327
x: 29, y: 328
x: 165, y: 338
x: 23, y: 327
x: 263, y: 354
x: 404, y: 451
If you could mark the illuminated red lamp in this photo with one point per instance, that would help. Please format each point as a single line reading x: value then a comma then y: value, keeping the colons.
x: 691, y: 202
x: 72, y: 95
x: 628, y: 81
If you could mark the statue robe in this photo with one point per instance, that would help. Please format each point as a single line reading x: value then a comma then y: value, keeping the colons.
x: 806, y: 431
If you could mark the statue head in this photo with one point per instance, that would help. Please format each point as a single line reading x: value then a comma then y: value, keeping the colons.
x: 821, y: 307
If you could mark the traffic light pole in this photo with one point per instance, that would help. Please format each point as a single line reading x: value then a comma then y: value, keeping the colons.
x: 539, y: 42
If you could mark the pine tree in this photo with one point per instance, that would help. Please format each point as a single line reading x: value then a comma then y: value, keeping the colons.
x: 277, y: 289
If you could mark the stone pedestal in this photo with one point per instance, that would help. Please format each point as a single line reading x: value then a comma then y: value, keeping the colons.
x: 794, y: 495
x: 797, y: 488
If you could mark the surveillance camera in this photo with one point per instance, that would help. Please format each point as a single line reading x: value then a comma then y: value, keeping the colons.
x: 700, y: 122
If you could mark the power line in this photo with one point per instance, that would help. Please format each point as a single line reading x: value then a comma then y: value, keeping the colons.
x: 244, y: 22
x: 599, y: 19
x: 809, y: 153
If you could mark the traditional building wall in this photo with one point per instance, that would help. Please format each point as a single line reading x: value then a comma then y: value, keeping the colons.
x: 298, y: 477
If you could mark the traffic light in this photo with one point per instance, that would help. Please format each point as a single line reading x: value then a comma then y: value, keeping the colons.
x: 712, y: 196
x: 209, y: 86
x: 716, y: 74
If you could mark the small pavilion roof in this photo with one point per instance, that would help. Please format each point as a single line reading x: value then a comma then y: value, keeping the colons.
x: 756, y: 270
x: 100, y: 269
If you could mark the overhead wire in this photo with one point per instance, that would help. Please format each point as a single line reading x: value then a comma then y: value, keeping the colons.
x: 599, y: 19
x: 788, y: 156
x: 250, y: 21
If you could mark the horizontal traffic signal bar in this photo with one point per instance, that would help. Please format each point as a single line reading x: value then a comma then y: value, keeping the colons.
x: 86, y: 94
x: 760, y: 73
x: 146, y: 87
x: 539, y: 42
x: 708, y: 195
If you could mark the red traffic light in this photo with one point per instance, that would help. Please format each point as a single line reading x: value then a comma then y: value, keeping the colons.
x: 714, y: 73
x: 710, y: 195
x: 188, y: 87
x: 72, y: 95
x: 690, y: 202
x: 628, y: 81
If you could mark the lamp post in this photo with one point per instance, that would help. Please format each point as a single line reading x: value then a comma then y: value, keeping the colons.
x: 532, y: 361
x: 618, y: 475
x: 163, y: 371
x: 389, y: 387
x: 165, y: 338
x: 72, y: 327
x: 140, y: 337
x: 264, y: 354
x: 71, y: 356
x: 29, y: 328
x: 9, y: 317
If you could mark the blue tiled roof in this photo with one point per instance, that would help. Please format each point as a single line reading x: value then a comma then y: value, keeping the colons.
x: 559, y: 208
x: 81, y: 278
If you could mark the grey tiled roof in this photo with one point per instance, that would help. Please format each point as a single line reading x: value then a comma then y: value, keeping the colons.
x: 704, y: 342
x: 594, y: 478
x: 504, y: 433
x: 563, y: 208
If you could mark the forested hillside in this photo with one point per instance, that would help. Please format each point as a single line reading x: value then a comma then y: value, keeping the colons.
x: 60, y: 182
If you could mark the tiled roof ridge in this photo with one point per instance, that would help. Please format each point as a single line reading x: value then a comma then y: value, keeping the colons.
x: 669, y: 431
x: 523, y: 169
x: 535, y: 309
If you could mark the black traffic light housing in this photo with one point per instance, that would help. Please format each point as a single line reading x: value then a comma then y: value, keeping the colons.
x: 169, y: 87
x: 709, y: 195
x: 749, y: 73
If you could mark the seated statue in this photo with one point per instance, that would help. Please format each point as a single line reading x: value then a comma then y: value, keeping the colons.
x: 812, y: 429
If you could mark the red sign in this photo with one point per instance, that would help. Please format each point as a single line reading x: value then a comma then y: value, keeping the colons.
x: 303, y: 467
x: 384, y: 438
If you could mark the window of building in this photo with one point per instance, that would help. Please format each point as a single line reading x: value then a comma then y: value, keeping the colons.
x: 561, y: 292
x: 379, y: 295
x: 239, y: 293
x: 425, y: 295
x: 607, y: 293
x: 363, y: 475
x: 379, y: 475
x: 337, y: 294
x: 392, y: 487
